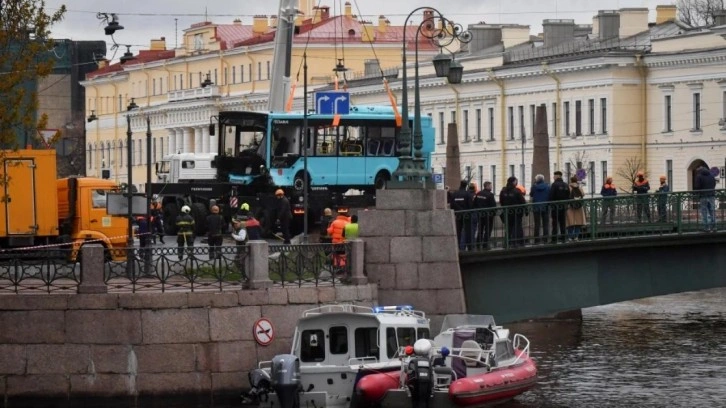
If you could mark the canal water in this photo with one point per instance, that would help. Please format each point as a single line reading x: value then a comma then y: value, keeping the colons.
x: 668, y: 351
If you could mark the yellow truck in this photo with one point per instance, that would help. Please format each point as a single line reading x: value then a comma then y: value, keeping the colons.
x: 40, y: 211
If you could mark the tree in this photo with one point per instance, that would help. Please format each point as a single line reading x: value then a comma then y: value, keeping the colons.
x: 25, y: 55
x: 629, y: 172
x: 698, y: 13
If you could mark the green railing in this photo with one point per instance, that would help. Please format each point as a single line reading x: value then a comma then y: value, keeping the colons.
x: 623, y: 216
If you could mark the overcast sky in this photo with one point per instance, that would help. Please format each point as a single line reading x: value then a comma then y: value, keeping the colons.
x: 144, y: 20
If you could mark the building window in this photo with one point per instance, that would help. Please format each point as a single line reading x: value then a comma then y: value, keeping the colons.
x: 268, y: 69
x: 466, y: 124
x: 259, y: 71
x: 603, y: 116
x: 241, y: 73
x: 441, y: 127
x: 491, y: 123
x: 153, y: 86
x: 190, y: 80
x: 493, y: 171
x: 669, y: 173
x: 604, y: 170
x: 591, y: 176
x: 591, y: 116
x: 696, y: 111
x: 567, y: 118
x: 554, y: 119
x: 532, y: 119
x: 521, y: 121
x: 668, y: 125
x: 568, y: 172
x: 723, y: 106
x: 224, y: 79
x: 478, y: 126
x: 578, y: 118
x: 511, y: 122
x: 453, y: 116
x: 511, y: 171
x: 216, y: 79
x: 481, y: 177
x: 234, y: 74
x: 198, y: 42
x: 249, y: 71
x: 467, y: 171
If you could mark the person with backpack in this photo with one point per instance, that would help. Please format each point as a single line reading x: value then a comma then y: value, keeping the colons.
x: 575, y: 217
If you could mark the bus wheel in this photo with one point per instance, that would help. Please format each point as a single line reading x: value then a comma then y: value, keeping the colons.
x: 381, y: 179
x: 299, y: 182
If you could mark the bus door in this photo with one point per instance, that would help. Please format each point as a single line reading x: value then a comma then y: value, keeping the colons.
x: 351, y: 156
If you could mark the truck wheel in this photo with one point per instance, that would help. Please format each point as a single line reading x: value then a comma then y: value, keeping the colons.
x: 299, y: 182
x: 170, y: 212
x: 199, y: 213
x: 381, y: 179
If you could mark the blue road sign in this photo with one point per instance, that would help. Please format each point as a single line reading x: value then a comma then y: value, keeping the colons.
x: 332, y: 103
x: 438, y: 178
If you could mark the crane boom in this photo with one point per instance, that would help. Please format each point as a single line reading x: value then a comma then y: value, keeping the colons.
x: 282, y: 56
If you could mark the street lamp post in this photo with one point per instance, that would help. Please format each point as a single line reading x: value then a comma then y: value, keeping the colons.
x: 412, y: 171
x: 129, y: 194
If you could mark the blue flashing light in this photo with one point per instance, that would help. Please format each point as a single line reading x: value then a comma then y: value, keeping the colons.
x: 445, y: 352
x: 380, y: 309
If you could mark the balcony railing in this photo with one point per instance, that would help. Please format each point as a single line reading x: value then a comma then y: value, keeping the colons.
x: 193, y: 93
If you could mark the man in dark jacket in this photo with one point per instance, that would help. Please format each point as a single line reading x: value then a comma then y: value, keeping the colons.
x: 461, y: 200
x: 705, y: 184
x: 284, y: 214
x: 641, y: 186
x: 512, y: 217
x: 485, y: 203
x: 559, y: 191
x: 539, y: 194
x: 215, y: 226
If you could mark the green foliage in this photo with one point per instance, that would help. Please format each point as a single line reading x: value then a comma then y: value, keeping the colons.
x: 26, y: 51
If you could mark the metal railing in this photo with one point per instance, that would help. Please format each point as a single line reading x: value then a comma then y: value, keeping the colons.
x: 623, y: 216
x: 168, y: 269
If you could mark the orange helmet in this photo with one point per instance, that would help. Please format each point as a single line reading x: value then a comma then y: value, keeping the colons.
x: 279, y: 192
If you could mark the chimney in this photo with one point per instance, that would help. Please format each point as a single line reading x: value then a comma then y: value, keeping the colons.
x: 719, y: 18
x: 484, y: 36
x: 102, y: 63
x: 324, y: 12
x: 237, y: 22
x: 317, y: 15
x: 665, y: 13
x: 259, y: 24
x: 382, y: 23
x: 558, y: 31
x: 596, y: 26
x: 633, y: 21
x: 583, y: 30
x: 371, y: 68
x: 514, y: 34
x: 608, y: 24
x: 348, y: 9
x: 273, y: 21
x: 158, y: 45
x: 368, y: 33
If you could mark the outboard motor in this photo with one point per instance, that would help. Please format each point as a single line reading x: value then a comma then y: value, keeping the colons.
x: 261, y: 387
x: 419, y: 381
x: 286, y: 380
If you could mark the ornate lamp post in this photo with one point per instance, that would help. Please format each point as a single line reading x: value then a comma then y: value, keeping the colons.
x: 412, y: 171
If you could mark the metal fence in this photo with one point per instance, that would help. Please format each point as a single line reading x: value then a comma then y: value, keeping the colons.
x: 167, y: 269
x: 627, y: 216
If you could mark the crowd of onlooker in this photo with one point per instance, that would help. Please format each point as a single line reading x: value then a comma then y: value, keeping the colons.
x: 557, y: 211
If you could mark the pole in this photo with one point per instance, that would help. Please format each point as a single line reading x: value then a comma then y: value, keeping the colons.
x: 130, y: 237
x: 149, y: 228
x: 305, y: 147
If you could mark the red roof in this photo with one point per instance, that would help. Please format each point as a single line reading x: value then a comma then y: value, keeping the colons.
x: 144, y: 56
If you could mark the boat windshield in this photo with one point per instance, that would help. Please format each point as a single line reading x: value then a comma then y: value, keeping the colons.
x: 464, y: 320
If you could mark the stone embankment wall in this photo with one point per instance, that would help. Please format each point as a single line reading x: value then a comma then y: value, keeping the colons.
x: 148, y: 343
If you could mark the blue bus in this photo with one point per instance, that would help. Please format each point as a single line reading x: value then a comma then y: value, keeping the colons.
x: 358, y: 152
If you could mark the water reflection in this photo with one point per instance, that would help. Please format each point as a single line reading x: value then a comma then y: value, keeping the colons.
x: 665, y: 351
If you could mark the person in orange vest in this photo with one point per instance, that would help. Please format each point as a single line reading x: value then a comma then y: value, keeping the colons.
x: 608, y: 192
x: 335, y: 230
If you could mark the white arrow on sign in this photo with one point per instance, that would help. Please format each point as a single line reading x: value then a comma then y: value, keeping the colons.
x: 338, y: 99
x: 322, y: 99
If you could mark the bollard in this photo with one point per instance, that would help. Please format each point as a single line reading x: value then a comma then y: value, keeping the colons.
x: 357, y: 267
x: 258, y: 265
x: 92, y: 270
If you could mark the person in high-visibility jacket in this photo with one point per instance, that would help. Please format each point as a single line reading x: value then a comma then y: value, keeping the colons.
x: 185, y: 231
x: 350, y: 231
x: 336, y: 228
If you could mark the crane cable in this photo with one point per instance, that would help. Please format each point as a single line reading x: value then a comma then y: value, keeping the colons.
x: 293, y: 86
x: 391, y: 96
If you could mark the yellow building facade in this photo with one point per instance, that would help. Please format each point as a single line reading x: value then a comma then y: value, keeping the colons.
x: 621, y: 94
x: 216, y: 68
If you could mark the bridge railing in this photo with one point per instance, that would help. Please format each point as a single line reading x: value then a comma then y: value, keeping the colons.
x: 623, y: 216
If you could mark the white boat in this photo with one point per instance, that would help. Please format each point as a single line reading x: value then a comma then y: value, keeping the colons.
x: 334, y: 346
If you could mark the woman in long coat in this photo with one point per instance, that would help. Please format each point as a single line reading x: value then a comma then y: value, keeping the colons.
x: 576, y: 218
